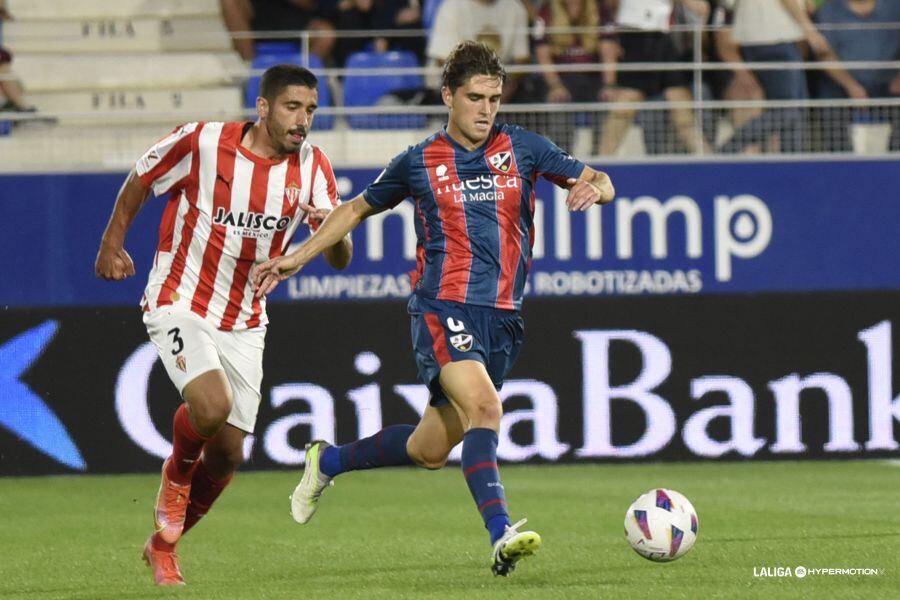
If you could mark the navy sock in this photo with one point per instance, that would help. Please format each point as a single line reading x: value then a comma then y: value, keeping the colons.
x: 479, y: 463
x: 496, y: 526
x: 387, y: 448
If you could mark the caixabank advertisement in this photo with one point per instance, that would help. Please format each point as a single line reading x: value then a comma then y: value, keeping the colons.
x: 612, y: 379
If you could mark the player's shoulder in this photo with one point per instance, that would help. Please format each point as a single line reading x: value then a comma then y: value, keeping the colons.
x: 413, y: 152
x: 185, y: 129
x: 191, y: 126
x: 309, y: 151
x: 424, y: 144
x: 197, y: 128
x: 515, y: 130
x: 529, y: 138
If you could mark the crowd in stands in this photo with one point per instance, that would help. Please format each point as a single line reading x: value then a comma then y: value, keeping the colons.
x: 560, y: 34
x: 11, y: 95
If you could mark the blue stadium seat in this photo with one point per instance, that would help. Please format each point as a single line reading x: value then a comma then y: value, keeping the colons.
x: 276, y: 47
x: 429, y: 10
x: 269, y: 54
x: 367, y: 90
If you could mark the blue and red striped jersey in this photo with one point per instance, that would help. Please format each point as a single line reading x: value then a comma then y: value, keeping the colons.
x: 474, y: 211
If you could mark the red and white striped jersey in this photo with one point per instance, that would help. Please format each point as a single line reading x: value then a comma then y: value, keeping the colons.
x: 228, y: 211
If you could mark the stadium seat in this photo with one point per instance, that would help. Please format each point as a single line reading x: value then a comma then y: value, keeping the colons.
x: 269, y: 54
x: 429, y: 11
x: 276, y: 47
x: 369, y: 90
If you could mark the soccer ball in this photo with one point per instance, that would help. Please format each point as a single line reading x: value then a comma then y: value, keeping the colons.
x: 661, y: 525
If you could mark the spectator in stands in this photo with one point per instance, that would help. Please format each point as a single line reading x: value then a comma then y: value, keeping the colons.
x: 770, y: 31
x: 859, y: 44
x: 644, y: 37
x: 12, y: 96
x: 358, y: 15
x: 237, y: 15
x: 501, y: 24
x: 283, y: 15
x: 567, y: 48
x: 737, y: 85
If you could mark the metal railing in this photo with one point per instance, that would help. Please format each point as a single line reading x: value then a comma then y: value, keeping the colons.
x: 702, y: 125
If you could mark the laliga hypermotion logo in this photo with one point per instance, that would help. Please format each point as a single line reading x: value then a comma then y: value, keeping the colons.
x: 21, y: 410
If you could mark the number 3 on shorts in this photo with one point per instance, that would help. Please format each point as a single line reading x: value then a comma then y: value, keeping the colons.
x: 176, y: 339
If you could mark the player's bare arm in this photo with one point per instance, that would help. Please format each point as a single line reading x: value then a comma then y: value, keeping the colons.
x: 591, y: 187
x: 113, y: 262
x: 339, y: 255
x: 339, y: 223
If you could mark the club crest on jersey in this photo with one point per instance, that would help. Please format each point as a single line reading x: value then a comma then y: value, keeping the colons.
x: 462, y: 341
x: 292, y: 194
x: 501, y: 161
x: 441, y: 172
x: 181, y: 363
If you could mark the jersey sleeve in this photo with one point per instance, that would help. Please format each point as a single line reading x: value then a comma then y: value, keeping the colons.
x: 551, y: 162
x: 167, y: 164
x: 324, y: 192
x: 392, y: 186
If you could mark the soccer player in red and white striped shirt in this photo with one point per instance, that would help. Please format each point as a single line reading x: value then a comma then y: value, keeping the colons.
x: 239, y: 191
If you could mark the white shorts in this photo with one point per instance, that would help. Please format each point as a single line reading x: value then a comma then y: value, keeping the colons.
x: 189, y: 346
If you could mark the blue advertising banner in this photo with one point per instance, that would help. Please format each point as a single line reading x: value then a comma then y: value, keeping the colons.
x: 674, y: 229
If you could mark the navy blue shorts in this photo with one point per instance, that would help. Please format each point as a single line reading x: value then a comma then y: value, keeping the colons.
x: 444, y: 332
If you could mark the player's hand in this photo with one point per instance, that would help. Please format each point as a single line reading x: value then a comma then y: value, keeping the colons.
x: 314, y: 216
x: 584, y: 194
x: 113, y: 263
x: 269, y: 274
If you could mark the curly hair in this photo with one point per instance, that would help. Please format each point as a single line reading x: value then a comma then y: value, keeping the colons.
x: 468, y: 59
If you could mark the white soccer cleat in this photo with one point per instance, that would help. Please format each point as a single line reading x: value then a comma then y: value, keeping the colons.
x: 305, y: 499
x: 512, y: 547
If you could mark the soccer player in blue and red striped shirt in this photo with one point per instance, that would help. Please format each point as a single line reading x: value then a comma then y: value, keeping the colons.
x: 473, y: 187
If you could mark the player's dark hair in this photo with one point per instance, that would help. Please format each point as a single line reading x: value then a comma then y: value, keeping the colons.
x: 468, y: 59
x: 276, y: 78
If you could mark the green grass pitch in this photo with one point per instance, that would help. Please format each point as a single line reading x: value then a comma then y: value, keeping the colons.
x: 415, y: 534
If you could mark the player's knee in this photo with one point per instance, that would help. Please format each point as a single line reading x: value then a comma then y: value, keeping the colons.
x: 432, y: 462
x: 427, y: 457
x: 209, y: 414
x: 485, y: 412
x: 233, y: 459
